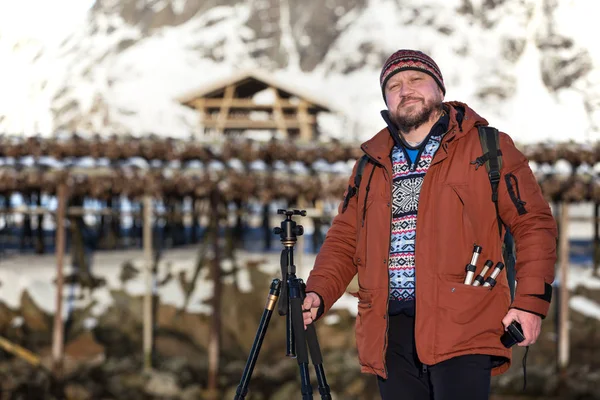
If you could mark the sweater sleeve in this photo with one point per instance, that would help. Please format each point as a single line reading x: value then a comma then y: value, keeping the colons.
x: 334, y: 266
x: 527, y: 214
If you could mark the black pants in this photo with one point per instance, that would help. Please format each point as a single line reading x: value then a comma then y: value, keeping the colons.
x: 460, y: 378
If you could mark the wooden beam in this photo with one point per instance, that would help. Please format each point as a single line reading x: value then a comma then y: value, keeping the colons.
x: 227, y: 100
x: 278, y: 113
x: 58, y: 328
x: 306, y: 128
x: 248, y: 103
x: 596, y: 251
x: 148, y: 297
x: 20, y: 352
x: 236, y: 118
x: 563, y: 317
x: 199, y: 105
x: 250, y: 124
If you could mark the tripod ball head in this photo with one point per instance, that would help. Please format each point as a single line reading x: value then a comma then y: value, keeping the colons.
x: 289, y: 230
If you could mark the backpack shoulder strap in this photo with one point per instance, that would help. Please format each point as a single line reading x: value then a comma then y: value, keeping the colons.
x: 359, y: 171
x: 492, y: 157
x: 353, y: 190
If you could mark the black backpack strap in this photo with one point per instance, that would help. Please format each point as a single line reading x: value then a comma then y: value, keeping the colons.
x: 353, y: 190
x: 492, y: 158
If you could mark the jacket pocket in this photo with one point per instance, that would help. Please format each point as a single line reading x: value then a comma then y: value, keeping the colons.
x: 463, y: 302
x: 469, y: 317
x: 461, y: 192
x: 460, y: 234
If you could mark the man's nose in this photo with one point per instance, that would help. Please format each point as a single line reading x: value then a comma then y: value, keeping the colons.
x: 404, y: 90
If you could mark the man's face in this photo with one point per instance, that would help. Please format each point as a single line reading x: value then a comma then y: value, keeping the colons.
x: 412, y: 96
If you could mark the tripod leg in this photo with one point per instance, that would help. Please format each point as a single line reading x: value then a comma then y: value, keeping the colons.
x: 317, y: 360
x: 242, y: 389
x: 285, y: 308
x: 299, y: 333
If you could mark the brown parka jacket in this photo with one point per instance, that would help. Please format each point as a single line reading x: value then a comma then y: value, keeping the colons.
x: 455, y: 212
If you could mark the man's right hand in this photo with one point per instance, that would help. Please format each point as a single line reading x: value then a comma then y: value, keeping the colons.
x: 310, y: 307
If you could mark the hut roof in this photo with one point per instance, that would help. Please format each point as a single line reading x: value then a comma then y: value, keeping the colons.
x: 248, y: 83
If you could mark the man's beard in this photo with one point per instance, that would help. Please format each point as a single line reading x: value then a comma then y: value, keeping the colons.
x: 415, y: 119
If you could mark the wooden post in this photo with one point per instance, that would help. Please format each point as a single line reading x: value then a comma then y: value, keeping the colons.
x: 148, y: 323
x: 225, y: 106
x: 200, y: 107
x: 306, y: 129
x: 563, y: 323
x: 278, y: 113
x: 58, y: 328
x: 596, y: 239
x: 214, y: 335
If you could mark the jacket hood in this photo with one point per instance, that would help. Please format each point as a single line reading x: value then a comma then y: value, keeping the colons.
x: 462, y: 121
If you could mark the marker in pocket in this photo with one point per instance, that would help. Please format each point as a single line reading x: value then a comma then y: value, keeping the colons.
x: 491, y: 280
x: 479, y: 279
x: 472, y: 266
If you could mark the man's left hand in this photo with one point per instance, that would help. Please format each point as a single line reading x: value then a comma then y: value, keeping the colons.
x: 531, y: 324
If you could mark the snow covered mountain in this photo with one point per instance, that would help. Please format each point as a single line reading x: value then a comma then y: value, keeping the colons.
x: 529, y: 66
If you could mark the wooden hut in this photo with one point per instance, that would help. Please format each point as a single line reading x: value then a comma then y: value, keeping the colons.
x: 252, y: 103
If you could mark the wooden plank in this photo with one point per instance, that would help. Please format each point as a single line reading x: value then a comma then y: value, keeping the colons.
x: 563, y: 321
x: 240, y: 124
x: 199, y: 105
x: 596, y: 240
x: 227, y: 100
x: 20, y: 352
x: 249, y: 104
x: 214, y: 333
x: 148, y: 297
x: 58, y: 328
x: 306, y: 128
x: 278, y: 113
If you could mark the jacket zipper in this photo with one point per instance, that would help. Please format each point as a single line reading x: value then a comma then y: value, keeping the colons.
x: 387, y: 266
x: 443, y: 144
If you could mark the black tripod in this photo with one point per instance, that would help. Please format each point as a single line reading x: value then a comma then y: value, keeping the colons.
x: 292, y: 297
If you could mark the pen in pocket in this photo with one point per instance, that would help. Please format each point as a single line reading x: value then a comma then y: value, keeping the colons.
x: 472, y: 266
x: 479, y: 279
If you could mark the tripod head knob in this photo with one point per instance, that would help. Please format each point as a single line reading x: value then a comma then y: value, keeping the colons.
x: 289, y: 230
x: 289, y: 213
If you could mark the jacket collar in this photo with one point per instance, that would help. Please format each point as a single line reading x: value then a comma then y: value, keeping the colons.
x: 438, y: 129
x: 462, y: 119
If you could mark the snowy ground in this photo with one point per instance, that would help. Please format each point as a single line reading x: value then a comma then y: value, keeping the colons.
x: 37, y: 273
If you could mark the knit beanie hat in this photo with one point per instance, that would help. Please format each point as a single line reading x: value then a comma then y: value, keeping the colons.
x: 410, y: 59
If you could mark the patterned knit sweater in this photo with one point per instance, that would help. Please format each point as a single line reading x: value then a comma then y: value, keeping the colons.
x: 409, y: 168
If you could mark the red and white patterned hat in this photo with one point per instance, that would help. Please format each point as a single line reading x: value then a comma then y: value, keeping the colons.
x: 410, y: 59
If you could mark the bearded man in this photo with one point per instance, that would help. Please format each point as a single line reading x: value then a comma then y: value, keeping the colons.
x: 408, y: 231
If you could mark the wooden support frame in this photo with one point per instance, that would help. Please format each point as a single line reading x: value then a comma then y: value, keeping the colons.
x: 149, y: 295
x: 225, y: 106
x: 278, y: 113
x: 563, y: 315
x: 58, y: 328
x: 199, y: 105
x: 306, y: 127
x: 290, y: 111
